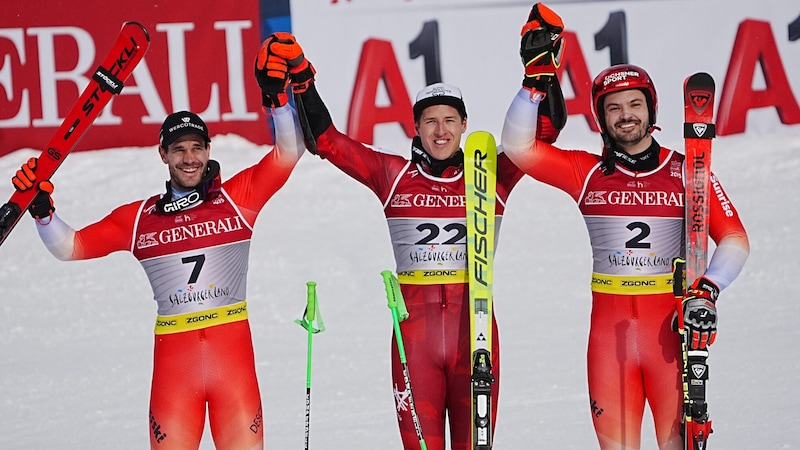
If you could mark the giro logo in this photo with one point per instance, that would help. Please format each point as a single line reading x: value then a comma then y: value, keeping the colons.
x: 182, y: 202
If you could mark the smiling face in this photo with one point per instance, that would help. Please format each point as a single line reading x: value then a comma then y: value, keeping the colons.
x: 627, y: 119
x: 440, y: 128
x: 187, y: 159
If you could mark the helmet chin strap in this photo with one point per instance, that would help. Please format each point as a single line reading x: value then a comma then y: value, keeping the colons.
x: 167, y: 205
x: 436, y: 166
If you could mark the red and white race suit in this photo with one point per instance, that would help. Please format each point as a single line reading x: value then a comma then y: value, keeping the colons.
x: 426, y: 216
x: 196, y: 260
x: 636, y: 227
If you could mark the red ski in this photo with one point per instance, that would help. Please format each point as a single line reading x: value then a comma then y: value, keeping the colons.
x: 698, y: 132
x: 107, y: 81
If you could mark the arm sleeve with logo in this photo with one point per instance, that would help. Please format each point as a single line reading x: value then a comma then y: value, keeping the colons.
x: 727, y: 230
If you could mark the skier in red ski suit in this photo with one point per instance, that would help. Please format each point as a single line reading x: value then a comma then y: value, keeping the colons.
x: 193, y: 243
x: 423, y: 201
x: 632, y: 200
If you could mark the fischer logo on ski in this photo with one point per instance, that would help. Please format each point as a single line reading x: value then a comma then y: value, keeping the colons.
x: 106, y: 81
x: 480, y: 187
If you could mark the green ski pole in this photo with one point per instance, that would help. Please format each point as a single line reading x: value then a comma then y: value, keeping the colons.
x: 310, y: 315
x: 398, y: 308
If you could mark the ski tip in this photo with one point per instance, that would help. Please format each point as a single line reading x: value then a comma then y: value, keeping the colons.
x: 700, y: 79
x: 699, y: 97
x: 480, y: 139
x: 133, y: 23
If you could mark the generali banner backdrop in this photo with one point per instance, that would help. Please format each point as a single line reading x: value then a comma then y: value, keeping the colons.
x: 372, y: 56
x: 200, y: 58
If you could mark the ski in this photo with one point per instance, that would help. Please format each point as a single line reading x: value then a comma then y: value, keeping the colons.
x: 698, y: 130
x: 107, y: 81
x: 480, y: 177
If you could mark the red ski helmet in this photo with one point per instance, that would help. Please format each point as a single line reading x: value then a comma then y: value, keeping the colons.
x: 622, y: 77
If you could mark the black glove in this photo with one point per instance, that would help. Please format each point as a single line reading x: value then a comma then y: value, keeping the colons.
x: 541, y: 48
x: 42, y: 206
x: 272, y: 71
x: 700, y: 313
x: 24, y: 179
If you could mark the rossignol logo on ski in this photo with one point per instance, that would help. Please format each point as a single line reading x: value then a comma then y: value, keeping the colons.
x: 699, y: 194
x: 699, y: 99
x: 699, y: 370
x: 700, y: 129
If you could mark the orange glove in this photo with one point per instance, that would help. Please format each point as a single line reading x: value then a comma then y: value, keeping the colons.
x: 300, y: 69
x: 272, y: 71
x: 541, y: 47
x: 25, y: 177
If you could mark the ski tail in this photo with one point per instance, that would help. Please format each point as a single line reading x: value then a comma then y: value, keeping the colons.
x: 108, y: 80
x: 480, y: 181
x: 699, y: 129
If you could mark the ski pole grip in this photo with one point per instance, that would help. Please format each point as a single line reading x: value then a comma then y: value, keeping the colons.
x: 311, y: 303
x: 387, y: 283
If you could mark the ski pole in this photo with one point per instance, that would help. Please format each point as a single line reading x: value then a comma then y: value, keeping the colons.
x: 396, y: 303
x: 310, y: 314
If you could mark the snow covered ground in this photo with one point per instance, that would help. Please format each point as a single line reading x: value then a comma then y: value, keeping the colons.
x: 76, y: 338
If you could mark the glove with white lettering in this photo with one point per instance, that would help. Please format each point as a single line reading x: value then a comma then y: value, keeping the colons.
x: 541, y: 48
x: 42, y: 205
x: 272, y: 72
x: 700, y: 313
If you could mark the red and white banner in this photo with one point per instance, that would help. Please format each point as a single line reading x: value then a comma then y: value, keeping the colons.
x: 372, y: 56
x: 200, y: 59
